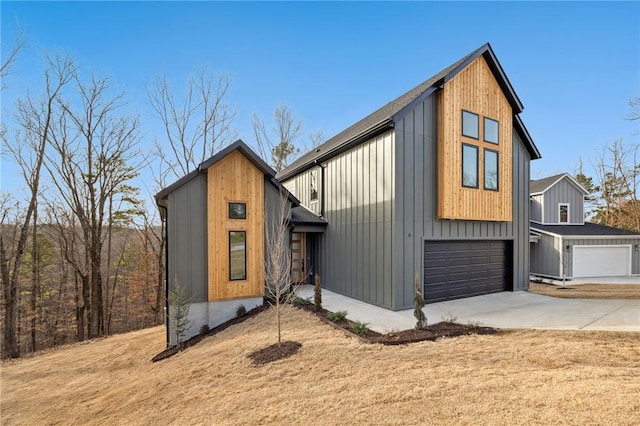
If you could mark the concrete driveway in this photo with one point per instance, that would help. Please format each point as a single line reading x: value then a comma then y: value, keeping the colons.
x: 502, y: 310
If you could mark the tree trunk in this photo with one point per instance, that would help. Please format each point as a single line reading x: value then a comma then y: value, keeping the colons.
x: 35, y: 266
x: 10, y: 347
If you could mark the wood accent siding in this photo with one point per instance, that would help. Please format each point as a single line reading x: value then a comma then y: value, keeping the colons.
x: 475, y: 90
x: 234, y: 179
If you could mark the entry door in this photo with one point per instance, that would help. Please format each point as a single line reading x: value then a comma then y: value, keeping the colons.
x: 298, y: 256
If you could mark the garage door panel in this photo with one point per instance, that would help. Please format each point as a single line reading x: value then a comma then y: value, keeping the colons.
x: 471, y: 268
x: 601, y: 260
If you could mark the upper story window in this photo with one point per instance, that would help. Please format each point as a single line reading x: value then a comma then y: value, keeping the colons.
x: 490, y: 130
x: 563, y: 213
x: 313, y: 185
x: 237, y: 210
x: 491, y: 170
x: 469, y: 124
x: 469, y: 166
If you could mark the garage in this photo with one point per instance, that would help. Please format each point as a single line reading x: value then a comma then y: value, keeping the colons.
x: 458, y: 269
x: 601, y: 260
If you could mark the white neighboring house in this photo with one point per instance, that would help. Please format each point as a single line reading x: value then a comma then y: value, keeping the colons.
x: 564, y: 245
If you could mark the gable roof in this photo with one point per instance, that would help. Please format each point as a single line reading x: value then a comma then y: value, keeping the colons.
x: 541, y: 186
x: 239, y: 146
x: 301, y: 216
x: 588, y: 229
x: 384, y: 118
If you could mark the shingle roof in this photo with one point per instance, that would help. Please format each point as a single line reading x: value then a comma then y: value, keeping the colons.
x: 302, y: 216
x: 383, y: 118
x: 588, y: 229
x: 540, y: 185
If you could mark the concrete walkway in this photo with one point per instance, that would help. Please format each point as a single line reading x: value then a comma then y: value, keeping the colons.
x: 502, y: 310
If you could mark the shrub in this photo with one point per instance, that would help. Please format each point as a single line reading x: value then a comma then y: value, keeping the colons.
x: 204, y: 329
x: 317, y: 293
x: 418, y: 304
x: 449, y: 318
x: 241, y: 311
x: 337, y: 316
x: 359, y: 327
x: 302, y: 302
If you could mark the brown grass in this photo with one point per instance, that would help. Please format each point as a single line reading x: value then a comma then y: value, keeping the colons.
x: 588, y: 291
x: 522, y: 377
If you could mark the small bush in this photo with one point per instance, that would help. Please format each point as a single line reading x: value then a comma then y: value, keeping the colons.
x: 337, y: 316
x: 302, y: 302
x: 449, y: 318
x: 418, y: 305
x: 204, y: 329
x: 359, y: 327
x: 241, y: 311
x: 317, y: 293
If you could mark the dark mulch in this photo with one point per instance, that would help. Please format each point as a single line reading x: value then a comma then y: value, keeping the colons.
x: 196, y: 339
x: 430, y: 332
x: 275, y: 352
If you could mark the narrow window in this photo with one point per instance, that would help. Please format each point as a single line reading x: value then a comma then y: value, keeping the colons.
x: 563, y: 213
x: 469, y: 124
x: 491, y: 170
x: 237, y: 210
x: 314, y: 185
x: 469, y: 166
x: 237, y: 255
x: 490, y: 130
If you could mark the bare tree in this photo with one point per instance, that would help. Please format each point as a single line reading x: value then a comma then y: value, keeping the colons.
x: 196, y: 124
x: 93, y: 157
x: 278, y: 143
x: 316, y: 138
x: 35, y: 120
x: 8, y: 61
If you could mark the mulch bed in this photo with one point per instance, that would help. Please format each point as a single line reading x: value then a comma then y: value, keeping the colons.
x: 275, y: 352
x: 196, y: 339
x: 430, y: 332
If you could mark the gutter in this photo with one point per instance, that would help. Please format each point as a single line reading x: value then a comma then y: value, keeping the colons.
x: 166, y: 272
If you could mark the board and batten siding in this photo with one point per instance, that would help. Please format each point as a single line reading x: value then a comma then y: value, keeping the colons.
x: 300, y: 187
x: 536, y: 208
x: 635, y: 254
x: 187, y: 242
x: 416, y: 204
x: 356, y: 247
x: 563, y: 192
x: 545, y: 256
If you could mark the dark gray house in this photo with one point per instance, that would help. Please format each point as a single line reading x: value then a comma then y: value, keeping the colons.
x: 563, y: 245
x: 433, y: 185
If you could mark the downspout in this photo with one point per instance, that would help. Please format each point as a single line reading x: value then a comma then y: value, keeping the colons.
x: 322, y: 188
x: 166, y: 273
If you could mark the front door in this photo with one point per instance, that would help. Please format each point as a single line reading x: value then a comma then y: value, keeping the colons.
x: 298, y: 256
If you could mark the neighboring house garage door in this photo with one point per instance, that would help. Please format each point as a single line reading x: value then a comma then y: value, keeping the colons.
x: 457, y: 269
x: 601, y: 261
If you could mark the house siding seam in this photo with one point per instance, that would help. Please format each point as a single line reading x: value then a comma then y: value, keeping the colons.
x: 563, y: 192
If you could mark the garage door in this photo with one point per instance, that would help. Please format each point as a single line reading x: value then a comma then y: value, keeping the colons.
x: 457, y: 269
x: 601, y: 261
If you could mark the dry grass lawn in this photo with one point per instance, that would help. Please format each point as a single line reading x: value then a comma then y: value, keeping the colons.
x: 522, y: 377
x: 588, y: 291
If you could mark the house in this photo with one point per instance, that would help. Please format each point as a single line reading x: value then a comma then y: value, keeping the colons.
x: 215, y: 219
x: 433, y: 186
x: 563, y: 245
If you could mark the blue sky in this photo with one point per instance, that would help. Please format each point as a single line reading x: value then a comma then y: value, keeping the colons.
x: 574, y: 65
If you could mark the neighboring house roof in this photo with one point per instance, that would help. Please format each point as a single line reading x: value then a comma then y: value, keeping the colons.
x: 240, y: 146
x: 301, y: 216
x: 384, y: 117
x: 541, y: 186
x: 588, y: 229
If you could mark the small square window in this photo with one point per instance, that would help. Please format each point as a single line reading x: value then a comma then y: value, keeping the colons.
x: 469, y: 124
x: 469, y: 166
x: 237, y: 210
x: 491, y: 170
x: 491, y: 130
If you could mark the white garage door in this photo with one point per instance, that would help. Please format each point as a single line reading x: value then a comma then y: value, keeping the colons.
x: 601, y: 261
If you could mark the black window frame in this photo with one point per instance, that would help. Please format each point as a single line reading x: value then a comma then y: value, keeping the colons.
x: 484, y: 130
x: 477, y: 137
x: 244, y: 278
x: 484, y: 159
x: 231, y: 204
x: 313, y: 185
x: 477, y: 165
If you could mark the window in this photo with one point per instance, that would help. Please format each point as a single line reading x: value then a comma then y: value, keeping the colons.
x: 469, y: 124
x: 314, y: 185
x: 237, y: 210
x: 469, y: 166
x: 563, y: 213
x: 490, y: 170
x: 237, y: 255
x: 490, y: 130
